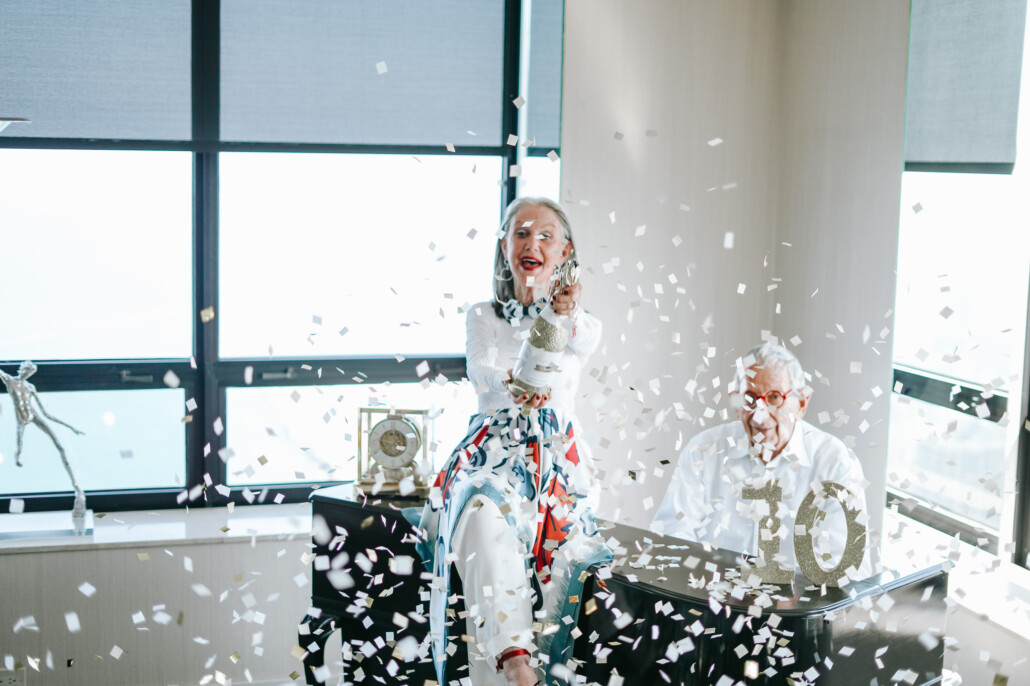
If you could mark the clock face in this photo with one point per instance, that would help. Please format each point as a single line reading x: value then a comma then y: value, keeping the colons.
x: 394, y: 442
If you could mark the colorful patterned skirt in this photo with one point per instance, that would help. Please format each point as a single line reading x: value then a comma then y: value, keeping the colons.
x: 530, y: 466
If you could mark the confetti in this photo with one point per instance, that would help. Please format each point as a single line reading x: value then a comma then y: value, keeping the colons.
x: 381, y: 68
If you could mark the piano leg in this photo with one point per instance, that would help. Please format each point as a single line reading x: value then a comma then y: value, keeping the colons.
x: 319, y: 630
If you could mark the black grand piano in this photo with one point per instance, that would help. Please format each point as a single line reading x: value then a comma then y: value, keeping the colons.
x: 663, y: 614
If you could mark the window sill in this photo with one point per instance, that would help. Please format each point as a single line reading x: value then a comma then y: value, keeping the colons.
x: 198, y: 526
x: 982, y: 583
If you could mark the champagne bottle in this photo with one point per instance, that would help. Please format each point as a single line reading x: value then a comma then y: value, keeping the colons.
x: 542, y: 350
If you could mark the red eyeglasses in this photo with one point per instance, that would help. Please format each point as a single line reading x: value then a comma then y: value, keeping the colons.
x: 773, y: 399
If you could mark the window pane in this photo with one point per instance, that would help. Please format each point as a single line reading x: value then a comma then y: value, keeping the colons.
x: 541, y: 177
x: 543, y: 104
x: 962, y: 275
x: 363, y: 71
x: 311, y: 433
x: 948, y: 458
x: 96, y: 69
x: 382, y: 250
x: 133, y: 439
x: 97, y: 247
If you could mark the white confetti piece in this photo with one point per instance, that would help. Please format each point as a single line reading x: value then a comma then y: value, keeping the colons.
x: 553, y: 156
x: 117, y: 652
x: 714, y: 142
x: 422, y: 368
x: 727, y: 240
x: 381, y: 68
x: 741, y: 288
x: 17, y: 506
x: 171, y: 379
x: 72, y: 620
x: 87, y: 589
x: 518, y: 102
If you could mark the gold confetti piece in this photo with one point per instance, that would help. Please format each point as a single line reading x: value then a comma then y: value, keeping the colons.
x: 367, y: 522
x: 298, y: 653
x: 590, y: 606
x: 237, y: 577
x: 235, y: 657
x: 224, y: 529
x: 207, y: 314
x: 294, y: 675
x: 573, y: 598
x: 143, y: 557
x: 262, y: 460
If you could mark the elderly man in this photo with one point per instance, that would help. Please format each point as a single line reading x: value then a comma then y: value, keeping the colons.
x: 771, y: 441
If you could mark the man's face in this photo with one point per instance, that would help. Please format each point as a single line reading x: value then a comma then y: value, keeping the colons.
x: 768, y: 427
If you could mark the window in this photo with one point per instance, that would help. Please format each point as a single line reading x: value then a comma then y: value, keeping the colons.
x: 961, y: 331
x: 256, y: 219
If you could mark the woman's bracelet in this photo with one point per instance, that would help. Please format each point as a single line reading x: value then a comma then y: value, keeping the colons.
x: 510, y: 654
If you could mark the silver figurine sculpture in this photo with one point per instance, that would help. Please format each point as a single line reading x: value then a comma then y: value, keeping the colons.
x: 22, y: 393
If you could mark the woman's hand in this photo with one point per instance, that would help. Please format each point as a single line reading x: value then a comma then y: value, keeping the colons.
x: 535, y: 401
x: 566, y: 301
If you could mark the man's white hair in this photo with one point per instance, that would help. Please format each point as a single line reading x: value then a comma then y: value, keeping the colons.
x: 770, y: 355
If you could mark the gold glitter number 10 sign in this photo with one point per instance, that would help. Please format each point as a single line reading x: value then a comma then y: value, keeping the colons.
x: 771, y: 571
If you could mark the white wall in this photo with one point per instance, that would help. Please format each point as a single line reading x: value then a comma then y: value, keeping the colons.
x: 808, y: 100
x: 689, y: 72
x: 843, y: 99
x: 260, y: 611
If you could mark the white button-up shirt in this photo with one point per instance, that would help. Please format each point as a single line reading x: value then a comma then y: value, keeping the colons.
x: 704, y: 502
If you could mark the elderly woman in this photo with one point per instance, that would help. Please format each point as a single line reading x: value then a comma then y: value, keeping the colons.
x: 509, y: 509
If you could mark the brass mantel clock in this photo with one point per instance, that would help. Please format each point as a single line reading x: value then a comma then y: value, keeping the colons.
x: 393, y: 451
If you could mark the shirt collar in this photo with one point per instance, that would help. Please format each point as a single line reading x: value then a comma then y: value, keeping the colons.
x: 796, y: 446
x: 514, y: 311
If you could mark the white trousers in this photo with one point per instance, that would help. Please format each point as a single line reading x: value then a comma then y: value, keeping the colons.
x: 498, y: 595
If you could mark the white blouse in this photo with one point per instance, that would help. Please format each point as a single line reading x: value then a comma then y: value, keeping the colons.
x: 492, y: 346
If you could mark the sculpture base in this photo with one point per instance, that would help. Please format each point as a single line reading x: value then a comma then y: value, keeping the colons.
x: 45, y: 525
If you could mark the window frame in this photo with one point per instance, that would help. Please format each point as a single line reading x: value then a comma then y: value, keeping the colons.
x: 205, y: 377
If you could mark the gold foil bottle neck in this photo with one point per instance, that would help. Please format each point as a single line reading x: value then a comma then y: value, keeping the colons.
x: 547, y: 335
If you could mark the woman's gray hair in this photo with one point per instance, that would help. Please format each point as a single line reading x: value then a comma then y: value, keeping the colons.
x: 504, y: 283
x: 768, y: 355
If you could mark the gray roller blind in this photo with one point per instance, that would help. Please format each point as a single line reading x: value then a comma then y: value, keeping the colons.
x: 96, y: 68
x: 965, y: 59
x: 362, y: 71
x: 545, y: 69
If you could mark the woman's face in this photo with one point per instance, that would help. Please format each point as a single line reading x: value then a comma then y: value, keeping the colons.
x: 535, y: 246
